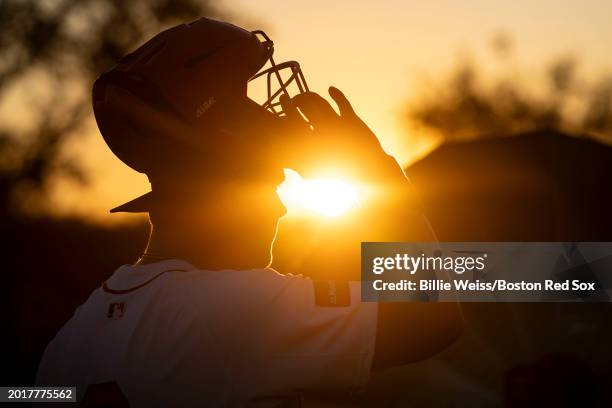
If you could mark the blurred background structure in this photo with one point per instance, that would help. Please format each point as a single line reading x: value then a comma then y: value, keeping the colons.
x: 502, y: 113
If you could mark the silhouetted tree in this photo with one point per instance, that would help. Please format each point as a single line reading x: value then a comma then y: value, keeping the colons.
x: 51, y: 51
x: 462, y: 107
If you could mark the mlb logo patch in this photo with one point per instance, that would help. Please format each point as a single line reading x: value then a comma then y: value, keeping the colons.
x: 116, y: 310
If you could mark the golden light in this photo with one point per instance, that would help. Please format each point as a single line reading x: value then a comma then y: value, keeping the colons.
x: 326, y: 197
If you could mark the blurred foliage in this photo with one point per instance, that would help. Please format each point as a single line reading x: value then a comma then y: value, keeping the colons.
x: 50, y: 53
x: 466, y: 106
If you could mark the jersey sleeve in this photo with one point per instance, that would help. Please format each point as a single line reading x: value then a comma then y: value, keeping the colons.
x: 302, y: 335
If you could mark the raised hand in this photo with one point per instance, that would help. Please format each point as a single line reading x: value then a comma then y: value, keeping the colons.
x: 340, y: 144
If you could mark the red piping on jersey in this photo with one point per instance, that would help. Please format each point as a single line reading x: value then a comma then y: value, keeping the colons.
x: 124, y: 291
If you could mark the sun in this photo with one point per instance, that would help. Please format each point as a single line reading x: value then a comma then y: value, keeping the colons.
x: 326, y: 197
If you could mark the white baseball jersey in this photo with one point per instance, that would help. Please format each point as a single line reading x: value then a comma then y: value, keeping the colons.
x: 168, y: 334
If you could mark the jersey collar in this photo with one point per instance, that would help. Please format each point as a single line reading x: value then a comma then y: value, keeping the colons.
x: 130, y: 277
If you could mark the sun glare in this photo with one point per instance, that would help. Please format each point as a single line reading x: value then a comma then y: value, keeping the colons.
x: 326, y: 197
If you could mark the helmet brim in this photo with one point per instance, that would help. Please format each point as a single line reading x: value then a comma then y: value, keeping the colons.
x: 140, y: 204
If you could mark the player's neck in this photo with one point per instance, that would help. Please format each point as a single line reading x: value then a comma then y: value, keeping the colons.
x: 207, y: 251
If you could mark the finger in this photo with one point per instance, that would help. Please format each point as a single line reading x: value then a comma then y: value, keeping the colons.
x: 344, y: 106
x: 316, y: 109
x: 290, y: 109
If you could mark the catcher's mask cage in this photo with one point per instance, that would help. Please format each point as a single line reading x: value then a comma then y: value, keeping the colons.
x: 284, y: 78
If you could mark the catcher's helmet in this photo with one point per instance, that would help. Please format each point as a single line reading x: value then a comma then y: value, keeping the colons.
x: 164, y: 100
